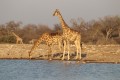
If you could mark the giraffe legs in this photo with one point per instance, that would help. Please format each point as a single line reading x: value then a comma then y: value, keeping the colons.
x: 16, y: 41
x: 64, y: 42
x: 19, y: 41
x: 78, y: 49
x: 68, y: 49
x: 76, y: 44
x: 60, y: 45
x: 50, y: 52
x: 29, y: 53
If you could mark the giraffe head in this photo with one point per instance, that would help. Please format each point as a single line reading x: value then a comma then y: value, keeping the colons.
x: 56, y: 13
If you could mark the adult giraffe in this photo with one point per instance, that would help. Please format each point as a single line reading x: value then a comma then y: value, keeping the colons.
x: 50, y: 40
x: 69, y: 35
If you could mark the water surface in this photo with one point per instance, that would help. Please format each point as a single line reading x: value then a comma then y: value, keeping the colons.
x: 57, y: 70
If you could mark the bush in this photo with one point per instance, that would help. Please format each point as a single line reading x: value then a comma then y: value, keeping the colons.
x: 7, y: 39
x: 104, y: 42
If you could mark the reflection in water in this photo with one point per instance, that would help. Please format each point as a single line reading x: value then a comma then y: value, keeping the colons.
x: 57, y: 70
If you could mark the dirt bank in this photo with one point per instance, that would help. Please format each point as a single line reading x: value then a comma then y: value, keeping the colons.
x: 90, y: 53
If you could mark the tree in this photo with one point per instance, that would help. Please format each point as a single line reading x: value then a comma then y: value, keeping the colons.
x: 3, y: 30
x: 79, y: 24
x: 109, y: 25
x: 12, y: 26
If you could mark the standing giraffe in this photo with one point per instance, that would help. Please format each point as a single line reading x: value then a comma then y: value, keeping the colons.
x: 18, y: 39
x: 49, y: 39
x: 69, y: 35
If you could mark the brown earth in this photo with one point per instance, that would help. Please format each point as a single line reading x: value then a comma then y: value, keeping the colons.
x: 90, y: 53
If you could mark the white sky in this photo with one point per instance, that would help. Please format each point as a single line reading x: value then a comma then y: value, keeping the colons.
x: 41, y: 11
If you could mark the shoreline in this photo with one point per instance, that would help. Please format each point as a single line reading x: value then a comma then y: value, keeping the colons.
x: 90, y: 53
x: 77, y: 61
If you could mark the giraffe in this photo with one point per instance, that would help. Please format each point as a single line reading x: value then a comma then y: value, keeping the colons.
x: 18, y: 39
x: 49, y: 39
x: 69, y: 35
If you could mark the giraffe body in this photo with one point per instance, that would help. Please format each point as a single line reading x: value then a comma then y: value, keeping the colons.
x: 18, y: 39
x: 69, y: 35
x: 49, y: 39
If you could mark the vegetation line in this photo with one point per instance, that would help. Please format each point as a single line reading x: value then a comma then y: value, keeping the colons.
x: 103, y: 31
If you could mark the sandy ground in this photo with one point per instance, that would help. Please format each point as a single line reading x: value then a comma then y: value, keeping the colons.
x: 90, y: 53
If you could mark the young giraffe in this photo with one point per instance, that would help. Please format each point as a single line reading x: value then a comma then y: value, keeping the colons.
x: 70, y: 35
x: 49, y: 39
x: 18, y: 39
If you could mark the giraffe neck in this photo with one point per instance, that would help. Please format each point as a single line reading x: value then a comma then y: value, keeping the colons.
x: 36, y: 44
x: 15, y: 35
x: 63, y: 23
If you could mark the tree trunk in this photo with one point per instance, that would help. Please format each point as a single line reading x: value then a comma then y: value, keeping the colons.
x: 108, y: 34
